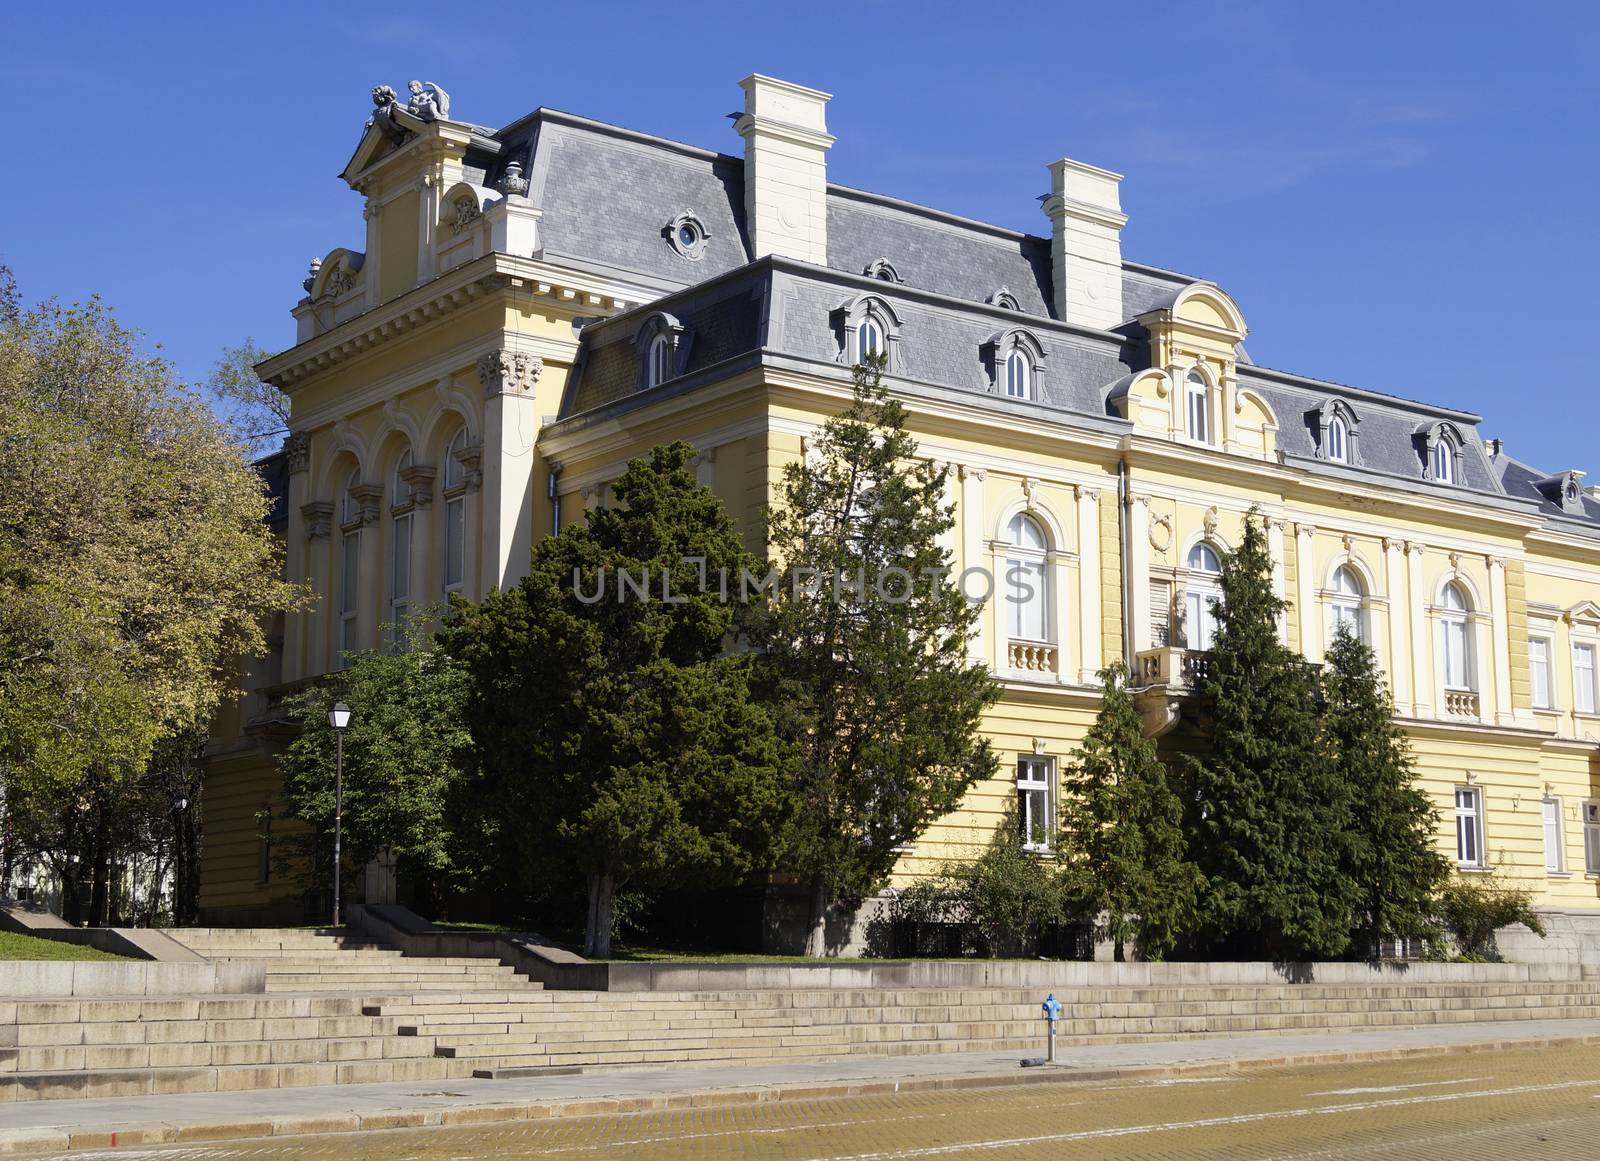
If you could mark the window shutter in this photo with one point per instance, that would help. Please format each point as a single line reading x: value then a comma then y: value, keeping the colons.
x: 1160, y: 613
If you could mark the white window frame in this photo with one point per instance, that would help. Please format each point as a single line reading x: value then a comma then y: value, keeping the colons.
x: 870, y: 327
x: 658, y: 362
x: 452, y: 533
x: 1202, y: 592
x: 1469, y: 827
x: 1036, y: 791
x: 1197, y: 410
x: 1019, y: 375
x: 1443, y: 456
x: 1591, y: 837
x: 349, y: 593
x: 1555, y: 861
x: 1584, y: 696
x: 1034, y: 566
x: 1539, y: 670
x: 402, y: 554
x: 1455, y: 640
x: 1347, y: 606
x: 1338, y: 449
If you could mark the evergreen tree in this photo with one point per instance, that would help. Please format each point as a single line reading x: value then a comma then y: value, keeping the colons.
x: 866, y: 652
x: 1390, y: 853
x: 614, y: 737
x: 1122, y: 830
x: 1268, y: 815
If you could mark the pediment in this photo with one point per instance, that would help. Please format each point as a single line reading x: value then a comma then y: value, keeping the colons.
x: 377, y: 144
x: 1585, y: 613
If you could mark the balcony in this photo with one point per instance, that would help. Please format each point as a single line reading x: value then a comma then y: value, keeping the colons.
x: 1032, y: 657
x: 1177, y: 669
x: 1462, y: 704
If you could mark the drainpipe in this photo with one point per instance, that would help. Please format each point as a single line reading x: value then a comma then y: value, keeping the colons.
x: 555, y: 500
x: 1124, y: 499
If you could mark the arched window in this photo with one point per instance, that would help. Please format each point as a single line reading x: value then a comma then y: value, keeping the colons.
x: 1338, y: 441
x: 1019, y: 376
x: 1027, y: 580
x: 1203, y: 595
x: 1346, y: 607
x: 400, y: 549
x: 1197, y: 407
x: 869, y: 339
x: 455, y: 513
x: 350, y: 569
x: 658, y: 362
x: 1444, y: 461
x: 1456, y: 644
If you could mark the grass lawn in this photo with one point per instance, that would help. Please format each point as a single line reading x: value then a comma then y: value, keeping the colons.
x: 13, y: 946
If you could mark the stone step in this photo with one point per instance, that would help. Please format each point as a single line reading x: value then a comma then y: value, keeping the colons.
x: 95, y: 1057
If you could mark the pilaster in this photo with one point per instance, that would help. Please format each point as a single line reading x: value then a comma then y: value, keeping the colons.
x: 1089, y: 580
x: 1401, y: 614
x: 1422, y: 681
x: 1305, y: 536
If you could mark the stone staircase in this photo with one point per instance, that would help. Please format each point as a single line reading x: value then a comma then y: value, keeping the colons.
x: 598, y: 1030
x: 340, y: 1010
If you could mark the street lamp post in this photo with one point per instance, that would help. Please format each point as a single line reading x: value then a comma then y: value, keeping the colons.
x: 338, y: 718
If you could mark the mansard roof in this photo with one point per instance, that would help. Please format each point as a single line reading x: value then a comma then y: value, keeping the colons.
x: 607, y: 194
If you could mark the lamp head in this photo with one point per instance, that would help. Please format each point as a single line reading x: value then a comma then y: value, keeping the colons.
x: 339, y: 716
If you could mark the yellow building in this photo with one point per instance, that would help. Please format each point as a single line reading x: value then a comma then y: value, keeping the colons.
x: 530, y: 307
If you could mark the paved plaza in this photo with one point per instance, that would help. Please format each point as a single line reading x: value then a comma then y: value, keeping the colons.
x: 1468, y: 1089
x: 1523, y: 1103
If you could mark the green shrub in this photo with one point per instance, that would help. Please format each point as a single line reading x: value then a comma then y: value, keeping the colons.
x: 1475, y: 910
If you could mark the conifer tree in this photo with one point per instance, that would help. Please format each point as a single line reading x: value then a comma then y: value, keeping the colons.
x: 1390, y: 853
x: 1267, y: 815
x: 867, y: 660
x: 1122, y: 830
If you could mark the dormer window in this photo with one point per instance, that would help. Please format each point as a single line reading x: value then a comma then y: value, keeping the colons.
x: 1013, y: 360
x: 1004, y: 299
x: 1197, y: 407
x: 1441, y: 446
x: 1338, y: 441
x: 868, y: 326
x: 1019, y: 376
x: 869, y: 339
x: 662, y: 344
x: 883, y: 270
x: 1444, y: 466
x: 658, y: 366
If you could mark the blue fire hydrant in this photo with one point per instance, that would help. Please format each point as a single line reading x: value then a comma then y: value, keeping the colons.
x: 1052, y: 1013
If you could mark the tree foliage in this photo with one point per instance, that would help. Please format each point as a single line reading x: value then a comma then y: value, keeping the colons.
x: 1122, y: 845
x: 1267, y: 817
x: 1391, y: 858
x: 866, y: 651
x: 406, y: 753
x: 136, y: 567
x: 615, y: 736
x: 1475, y: 911
x: 256, y: 412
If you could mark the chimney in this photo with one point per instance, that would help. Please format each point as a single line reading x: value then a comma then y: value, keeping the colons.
x: 786, y: 142
x: 1086, y: 221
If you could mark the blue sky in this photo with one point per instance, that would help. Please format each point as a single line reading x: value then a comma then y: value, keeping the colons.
x: 1400, y: 197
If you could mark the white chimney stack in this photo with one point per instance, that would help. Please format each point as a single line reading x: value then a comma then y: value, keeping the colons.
x: 786, y: 142
x: 1086, y: 221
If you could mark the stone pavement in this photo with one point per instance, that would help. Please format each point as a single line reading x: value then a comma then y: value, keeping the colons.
x: 43, y: 1126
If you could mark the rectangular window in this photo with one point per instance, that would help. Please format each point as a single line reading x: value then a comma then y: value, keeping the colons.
x: 1035, y: 817
x: 1455, y: 654
x: 1539, y: 671
x: 455, y: 514
x: 1469, y: 826
x: 1553, y: 861
x: 349, y: 592
x: 1199, y: 413
x: 1591, y: 837
x: 1583, y: 678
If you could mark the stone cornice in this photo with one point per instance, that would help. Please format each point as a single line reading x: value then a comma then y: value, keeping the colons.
x: 464, y: 286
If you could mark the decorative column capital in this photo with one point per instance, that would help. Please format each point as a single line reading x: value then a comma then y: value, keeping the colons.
x: 506, y: 371
x: 366, y: 497
x: 297, y: 451
x: 418, y: 479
